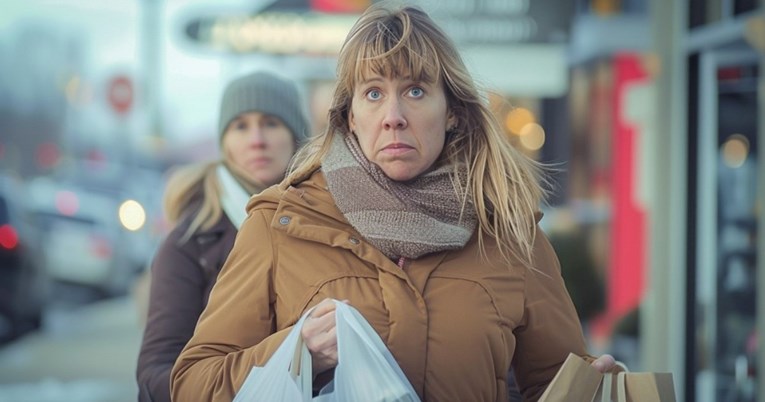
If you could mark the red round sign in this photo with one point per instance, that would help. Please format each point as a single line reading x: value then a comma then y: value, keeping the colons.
x: 120, y: 94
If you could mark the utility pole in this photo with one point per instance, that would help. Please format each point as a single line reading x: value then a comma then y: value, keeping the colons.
x: 150, y: 41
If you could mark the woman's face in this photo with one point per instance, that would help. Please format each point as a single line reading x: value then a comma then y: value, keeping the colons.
x: 259, y: 146
x: 400, y: 124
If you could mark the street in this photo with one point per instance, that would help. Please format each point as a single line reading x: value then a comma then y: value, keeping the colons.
x: 83, y: 353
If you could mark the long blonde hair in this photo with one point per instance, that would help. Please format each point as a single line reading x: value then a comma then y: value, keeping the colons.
x: 502, y: 183
x: 194, y: 186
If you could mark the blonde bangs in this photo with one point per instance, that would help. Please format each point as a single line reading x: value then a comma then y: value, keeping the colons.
x: 394, y: 50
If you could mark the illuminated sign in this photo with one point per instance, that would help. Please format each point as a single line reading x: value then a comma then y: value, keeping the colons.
x: 275, y: 32
x: 294, y: 26
x: 501, y: 21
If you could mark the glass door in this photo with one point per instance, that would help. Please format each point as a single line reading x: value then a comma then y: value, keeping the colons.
x: 727, y: 214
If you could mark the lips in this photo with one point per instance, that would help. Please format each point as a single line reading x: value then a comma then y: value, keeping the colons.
x: 260, y: 162
x: 397, y: 148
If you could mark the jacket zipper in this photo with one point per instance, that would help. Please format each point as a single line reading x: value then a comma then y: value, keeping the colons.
x: 401, y: 262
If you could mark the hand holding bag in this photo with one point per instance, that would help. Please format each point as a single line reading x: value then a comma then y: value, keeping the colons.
x: 286, y: 376
x: 578, y: 381
x: 366, y: 370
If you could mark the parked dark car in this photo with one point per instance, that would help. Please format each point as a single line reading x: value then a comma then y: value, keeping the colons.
x: 24, y: 286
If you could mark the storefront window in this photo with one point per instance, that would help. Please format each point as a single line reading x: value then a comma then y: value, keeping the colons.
x: 744, y: 6
x: 727, y: 293
x: 706, y: 12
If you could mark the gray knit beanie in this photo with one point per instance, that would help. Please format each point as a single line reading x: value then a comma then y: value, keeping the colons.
x: 266, y: 93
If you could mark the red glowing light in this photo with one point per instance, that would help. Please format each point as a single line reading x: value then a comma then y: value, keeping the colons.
x: 9, y: 239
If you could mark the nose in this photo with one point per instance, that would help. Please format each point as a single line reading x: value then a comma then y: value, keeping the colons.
x: 394, y: 117
x: 257, y: 137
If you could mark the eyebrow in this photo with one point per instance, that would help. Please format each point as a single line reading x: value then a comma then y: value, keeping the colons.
x: 375, y: 78
x: 379, y: 78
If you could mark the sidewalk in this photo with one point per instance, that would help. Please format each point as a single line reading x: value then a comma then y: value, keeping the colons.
x: 87, y: 354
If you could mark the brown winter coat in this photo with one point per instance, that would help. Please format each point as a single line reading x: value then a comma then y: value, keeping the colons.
x: 182, y: 276
x: 454, y: 322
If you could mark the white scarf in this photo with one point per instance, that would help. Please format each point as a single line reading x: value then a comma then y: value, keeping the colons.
x: 233, y: 198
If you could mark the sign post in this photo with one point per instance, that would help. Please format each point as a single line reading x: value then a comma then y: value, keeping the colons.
x: 120, y: 94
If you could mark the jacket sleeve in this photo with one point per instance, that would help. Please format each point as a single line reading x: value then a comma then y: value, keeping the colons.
x: 550, y: 329
x: 175, y: 303
x: 237, y: 328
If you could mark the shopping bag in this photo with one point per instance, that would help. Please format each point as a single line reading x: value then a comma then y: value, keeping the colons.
x: 366, y: 370
x: 287, y: 376
x: 644, y: 387
x: 578, y: 381
x: 575, y: 381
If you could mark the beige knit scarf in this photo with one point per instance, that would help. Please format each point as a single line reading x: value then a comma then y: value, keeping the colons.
x: 401, y: 219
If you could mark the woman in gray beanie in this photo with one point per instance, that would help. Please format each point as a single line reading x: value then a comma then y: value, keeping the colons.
x: 261, y: 126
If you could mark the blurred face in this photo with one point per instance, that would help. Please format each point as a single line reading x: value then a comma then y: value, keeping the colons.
x: 400, y: 123
x: 259, y: 146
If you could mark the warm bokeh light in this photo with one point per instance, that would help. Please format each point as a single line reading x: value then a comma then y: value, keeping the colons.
x: 516, y: 119
x: 735, y: 150
x: 132, y: 215
x: 532, y: 136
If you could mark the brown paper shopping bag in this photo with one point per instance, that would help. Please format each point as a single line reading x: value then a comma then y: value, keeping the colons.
x: 645, y: 387
x: 576, y: 380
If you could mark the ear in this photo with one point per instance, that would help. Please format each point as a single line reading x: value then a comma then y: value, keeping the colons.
x: 451, y: 120
x: 351, y: 123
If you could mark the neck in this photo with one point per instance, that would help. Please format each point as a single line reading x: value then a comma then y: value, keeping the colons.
x: 248, y: 186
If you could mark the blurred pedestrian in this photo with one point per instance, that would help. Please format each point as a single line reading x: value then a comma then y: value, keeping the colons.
x: 261, y: 125
x: 415, y: 208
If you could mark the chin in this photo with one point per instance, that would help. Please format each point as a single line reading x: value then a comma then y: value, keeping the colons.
x: 260, y: 180
x: 404, y: 172
x: 400, y: 176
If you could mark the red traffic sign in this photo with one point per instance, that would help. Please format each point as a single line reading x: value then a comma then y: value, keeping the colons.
x: 120, y: 94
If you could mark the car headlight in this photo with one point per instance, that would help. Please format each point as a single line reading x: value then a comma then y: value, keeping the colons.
x: 132, y: 215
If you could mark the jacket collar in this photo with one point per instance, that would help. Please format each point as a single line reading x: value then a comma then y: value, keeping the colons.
x: 306, y: 210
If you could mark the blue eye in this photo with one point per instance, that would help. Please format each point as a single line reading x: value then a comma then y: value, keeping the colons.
x: 416, y: 92
x: 374, y: 94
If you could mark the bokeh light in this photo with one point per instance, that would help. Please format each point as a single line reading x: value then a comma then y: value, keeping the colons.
x: 516, y: 119
x: 735, y: 150
x: 132, y: 215
x: 67, y: 202
x: 532, y: 136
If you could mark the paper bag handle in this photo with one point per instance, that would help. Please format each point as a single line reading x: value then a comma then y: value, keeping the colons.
x: 606, y: 382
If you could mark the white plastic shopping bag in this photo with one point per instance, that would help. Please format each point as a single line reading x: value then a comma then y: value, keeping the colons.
x: 285, y: 377
x: 366, y: 369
